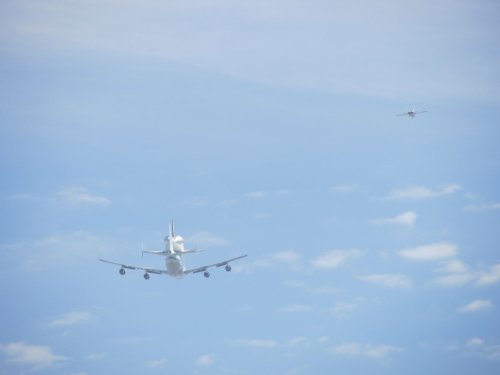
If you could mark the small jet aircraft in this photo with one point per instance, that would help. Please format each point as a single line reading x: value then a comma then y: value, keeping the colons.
x: 411, y: 113
x: 174, y: 250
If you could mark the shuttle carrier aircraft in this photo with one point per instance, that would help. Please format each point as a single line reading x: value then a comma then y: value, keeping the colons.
x: 173, y: 253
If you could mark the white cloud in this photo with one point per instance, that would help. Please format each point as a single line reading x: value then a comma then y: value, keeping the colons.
x: 323, y: 339
x: 21, y: 197
x: 388, y: 280
x: 476, y: 306
x: 343, y: 188
x: 31, y: 355
x: 454, y: 266
x: 286, y: 256
x: 197, y: 201
x: 406, y: 218
x: 297, y: 308
x: 421, y: 192
x: 298, y: 341
x: 334, y: 258
x: 132, y: 340
x: 381, y: 351
x: 206, y: 239
x: 458, y: 274
x: 96, y: 356
x: 71, y: 318
x: 157, y: 363
x: 483, y: 207
x: 214, y: 45
x: 205, y: 360
x: 432, y: 252
x: 453, y: 280
x: 256, y: 194
x: 343, y: 308
x: 490, y: 277
x: 254, y: 343
x: 282, y: 192
x: 77, y: 196
x: 348, y: 349
x: 64, y: 250
x: 353, y: 349
x: 475, y: 342
x: 484, y: 349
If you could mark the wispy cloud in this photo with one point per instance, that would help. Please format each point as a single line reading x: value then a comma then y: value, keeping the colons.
x: 354, y: 349
x: 254, y: 343
x: 432, y: 252
x: 344, y: 308
x: 457, y: 273
x: 78, y: 196
x: 454, y: 266
x: 256, y: 195
x: 343, y: 188
x: 207, y: 239
x: 482, y: 207
x: 21, y: 197
x: 71, y: 318
x: 388, y: 280
x: 260, y: 194
x: 286, y: 256
x: 422, y: 192
x: 205, y: 360
x: 297, y: 308
x: 454, y: 280
x: 96, y: 356
x: 197, y: 201
x: 31, y: 355
x: 63, y: 250
x: 334, y: 258
x: 480, y: 347
x: 133, y: 340
x: 490, y: 277
x: 406, y: 218
x: 476, y: 306
x: 156, y: 363
x: 298, y: 341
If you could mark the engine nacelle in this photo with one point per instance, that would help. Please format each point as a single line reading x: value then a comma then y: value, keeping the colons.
x: 146, y: 276
x: 206, y: 274
x: 228, y: 268
x: 122, y: 271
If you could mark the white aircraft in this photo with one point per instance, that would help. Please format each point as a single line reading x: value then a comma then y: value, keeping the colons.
x: 411, y: 113
x: 174, y: 250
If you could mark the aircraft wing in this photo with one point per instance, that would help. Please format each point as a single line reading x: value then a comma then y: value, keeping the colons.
x: 148, y: 270
x: 220, y: 264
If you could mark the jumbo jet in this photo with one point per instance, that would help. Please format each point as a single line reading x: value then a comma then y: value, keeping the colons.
x: 174, y: 251
x: 411, y: 113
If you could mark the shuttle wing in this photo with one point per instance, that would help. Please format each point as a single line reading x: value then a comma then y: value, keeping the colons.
x: 220, y: 264
x: 148, y: 270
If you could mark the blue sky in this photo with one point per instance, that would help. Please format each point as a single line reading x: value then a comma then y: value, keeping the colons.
x: 261, y: 128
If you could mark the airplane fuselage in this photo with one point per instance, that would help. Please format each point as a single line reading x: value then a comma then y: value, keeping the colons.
x: 175, y: 266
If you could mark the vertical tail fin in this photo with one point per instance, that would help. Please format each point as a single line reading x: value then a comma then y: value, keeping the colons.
x: 171, y: 236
